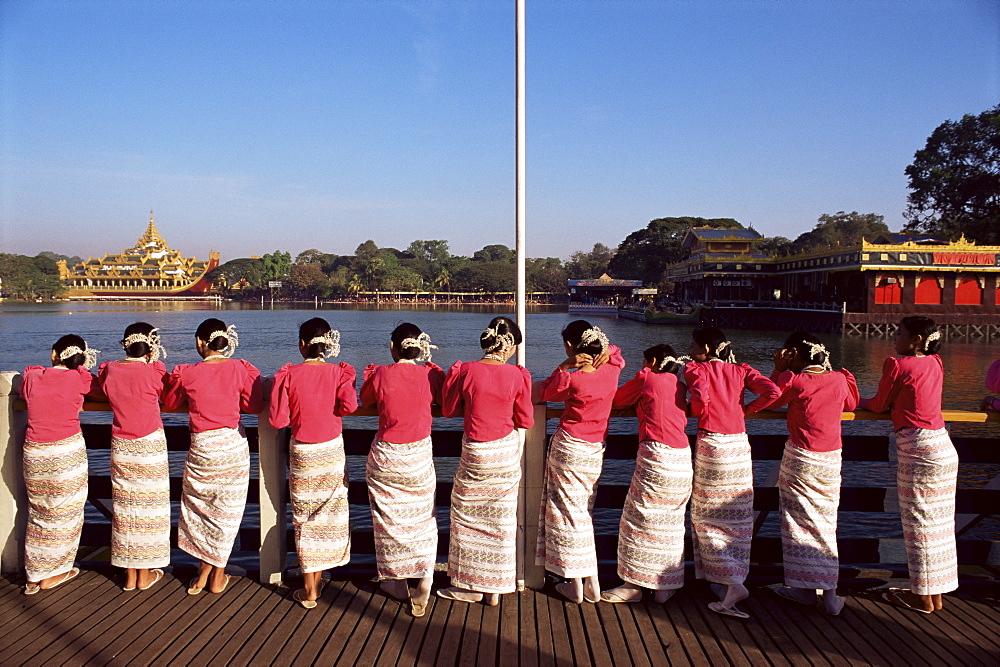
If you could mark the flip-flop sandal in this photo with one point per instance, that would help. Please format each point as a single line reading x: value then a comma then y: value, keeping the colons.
x: 612, y: 596
x: 561, y: 589
x: 298, y: 597
x: 788, y: 593
x: 223, y: 589
x: 32, y: 589
x: 896, y: 600
x: 417, y: 610
x: 69, y: 576
x: 388, y: 592
x: 448, y: 594
x: 159, y: 575
x: 193, y: 589
x: 728, y: 611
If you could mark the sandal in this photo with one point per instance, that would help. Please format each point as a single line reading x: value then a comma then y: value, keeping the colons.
x: 789, y: 593
x: 66, y: 577
x: 459, y: 595
x: 223, y: 589
x: 159, y: 575
x: 618, y: 595
x: 895, y: 598
x: 417, y: 610
x: 31, y: 589
x: 728, y: 611
x: 298, y: 597
x: 566, y: 589
x: 193, y: 589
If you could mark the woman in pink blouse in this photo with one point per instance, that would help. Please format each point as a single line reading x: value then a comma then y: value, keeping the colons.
x: 651, y: 531
x: 926, y: 463
x: 809, y: 479
x: 311, y: 397
x: 400, y: 468
x: 722, y: 498
x: 217, y: 468
x: 586, y: 381
x: 494, y: 398
x: 140, y: 470
x: 55, y: 462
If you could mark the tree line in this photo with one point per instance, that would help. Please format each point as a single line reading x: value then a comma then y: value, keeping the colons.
x: 954, y: 184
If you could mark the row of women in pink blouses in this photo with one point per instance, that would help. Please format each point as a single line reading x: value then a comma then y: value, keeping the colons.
x: 495, y: 399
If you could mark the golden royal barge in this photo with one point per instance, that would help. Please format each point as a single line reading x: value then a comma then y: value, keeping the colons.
x: 149, y: 269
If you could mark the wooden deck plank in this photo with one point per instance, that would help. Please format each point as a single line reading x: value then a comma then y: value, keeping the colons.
x: 418, y: 630
x: 291, y: 615
x: 507, y: 641
x: 970, y: 614
x: 705, y: 637
x: 675, y: 634
x: 578, y: 636
x: 721, y: 628
x: 655, y: 650
x: 427, y: 650
x: 931, y: 630
x: 353, y: 601
x: 807, y: 621
x: 362, y: 631
x: 543, y: 629
x: 770, y: 639
x: 246, y: 653
x: 488, y: 651
x: 334, y: 599
x: 392, y: 612
x: 188, y: 646
x: 451, y: 645
x: 527, y: 630
x: 103, y: 600
x: 470, y: 635
x: 558, y: 630
x: 142, y: 617
x: 804, y: 646
x: 309, y: 623
x: 622, y: 634
x: 903, y: 646
x: 855, y: 624
x: 258, y: 608
x: 394, y: 641
x: 34, y: 613
x: 601, y: 650
x: 966, y: 644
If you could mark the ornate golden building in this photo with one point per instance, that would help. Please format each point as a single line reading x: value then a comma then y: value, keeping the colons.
x: 150, y: 268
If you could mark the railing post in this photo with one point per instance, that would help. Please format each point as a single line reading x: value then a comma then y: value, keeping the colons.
x: 532, y: 483
x: 272, y: 475
x: 13, y: 424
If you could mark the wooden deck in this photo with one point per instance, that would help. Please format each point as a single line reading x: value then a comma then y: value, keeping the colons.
x: 91, y: 621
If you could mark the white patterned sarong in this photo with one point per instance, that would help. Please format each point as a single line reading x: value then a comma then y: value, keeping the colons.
x: 482, y: 550
x: 926, y: 479
x: 722, y: 507
x: 809, y: 488
x: 317, y: 481
x: 565, y: 524
x: 401, y: 488
x: 651, y: 531
x: 140, y: 498
x: 55, y: 477
x: 216, y: 479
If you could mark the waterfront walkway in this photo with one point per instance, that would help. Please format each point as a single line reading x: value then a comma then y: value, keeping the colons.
x: 92, y: 621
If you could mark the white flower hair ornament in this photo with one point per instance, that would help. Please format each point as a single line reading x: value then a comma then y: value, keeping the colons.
x: 722, y: 346
x: 89, y: 355
x: 423, y: 342
x: 931, y: 337
x: 816, y: 349
x: 594, y: 334
x: 230, y: 335
x: 503, y: 342
x: 152, y: 339
x: 330, y: 341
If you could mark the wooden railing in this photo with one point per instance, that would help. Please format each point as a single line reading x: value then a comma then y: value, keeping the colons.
x: 273, y: 537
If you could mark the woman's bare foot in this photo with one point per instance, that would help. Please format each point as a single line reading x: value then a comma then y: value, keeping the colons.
x: 662, y: 596
x: 572, y: 590
x: 938, y: 602
x: 423, y: 591
x: 591, y: 589
x: 395, y: 588
x: 131, y: 577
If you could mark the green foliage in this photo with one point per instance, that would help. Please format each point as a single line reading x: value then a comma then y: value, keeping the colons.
x: 775, y: 246
x: 955, y: 180
x: 30, y: 277
x: 644, y: 254
x: 495, y: 253
x: 276, y: 265
x: 593, y: 264
x: 241, y: 273
x: 545, y: 275
x: 840, y: 229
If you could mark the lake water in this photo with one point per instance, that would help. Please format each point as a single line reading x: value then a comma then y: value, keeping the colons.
x: 269, y: 338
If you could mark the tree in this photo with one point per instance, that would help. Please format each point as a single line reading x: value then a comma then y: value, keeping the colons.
x: 276, y: 265
x: 840, y: 229
x: 955, y: 180
x: 495, y: 253
x: 244, y: 272
x: 311, y: 256
x: 545, y: 275
x: 29, y: 278
x: 775, y: 246
x: 593, y: 264
x: 306, y: 279
x: 645, y: 253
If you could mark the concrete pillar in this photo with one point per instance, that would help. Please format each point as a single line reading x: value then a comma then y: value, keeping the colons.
x: 13, y: 424
x: 272, y: 461
x: 532, y: 484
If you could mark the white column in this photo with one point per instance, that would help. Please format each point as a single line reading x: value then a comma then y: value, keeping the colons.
x: 272, y: 461
x: 13, y: 424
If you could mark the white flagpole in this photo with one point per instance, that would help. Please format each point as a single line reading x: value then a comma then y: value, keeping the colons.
x: 519, y: 305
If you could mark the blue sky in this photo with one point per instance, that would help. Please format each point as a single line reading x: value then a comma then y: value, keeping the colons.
x: 250, y: 126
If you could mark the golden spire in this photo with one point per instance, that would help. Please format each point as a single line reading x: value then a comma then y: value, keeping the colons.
x: 151, y: 238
